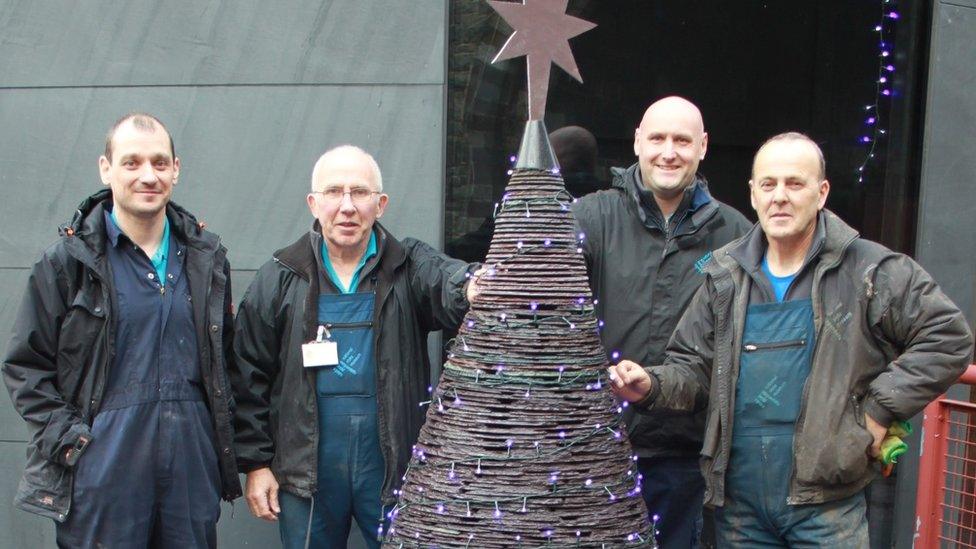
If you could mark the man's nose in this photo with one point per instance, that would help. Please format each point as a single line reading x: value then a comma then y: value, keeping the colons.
x: 147, y: 174
x: 346, y: 204
x: 668, y: 151
x: 779, y: 193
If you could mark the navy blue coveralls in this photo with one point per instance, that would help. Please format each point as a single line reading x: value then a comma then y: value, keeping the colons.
x: 775, y: 358
x: 149, y: 477
x: 350, y: 461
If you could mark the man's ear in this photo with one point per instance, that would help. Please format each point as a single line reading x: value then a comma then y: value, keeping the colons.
x: 103, y: 167
x: 384, y: 199
x: 824, y: 191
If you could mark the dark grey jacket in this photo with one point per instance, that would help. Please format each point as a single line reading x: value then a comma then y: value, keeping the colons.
x: 644, y: 274
x: 418, y: 290
x: 57, y: 363
x: 888, y: 341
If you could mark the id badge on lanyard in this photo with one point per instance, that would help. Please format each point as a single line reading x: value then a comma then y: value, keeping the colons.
x: 321, y: 352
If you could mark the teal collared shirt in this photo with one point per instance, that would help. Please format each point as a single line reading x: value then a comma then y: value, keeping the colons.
x: 354, y: 283
x: 161, y: 257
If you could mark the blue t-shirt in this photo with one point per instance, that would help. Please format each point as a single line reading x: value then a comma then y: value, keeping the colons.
x: 781, y: 284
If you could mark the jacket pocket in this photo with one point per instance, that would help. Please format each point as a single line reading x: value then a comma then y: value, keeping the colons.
x: 841, y: 455
x: 45, y: 488
x: 82, y: 332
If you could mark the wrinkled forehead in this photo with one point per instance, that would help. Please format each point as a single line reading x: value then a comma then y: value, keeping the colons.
x: 786, y: 159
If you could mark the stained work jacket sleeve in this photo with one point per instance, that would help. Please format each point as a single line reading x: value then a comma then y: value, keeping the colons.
x: 257, y: 338
x: 682, y: 383
x: 912, y: 315
x: 438, y: 283
x: 30, y: 369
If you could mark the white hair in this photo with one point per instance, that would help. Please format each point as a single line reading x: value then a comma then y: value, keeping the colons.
x: 349, y: 149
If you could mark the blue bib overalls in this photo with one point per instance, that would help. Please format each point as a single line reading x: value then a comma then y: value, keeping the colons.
x: 775, y: 360
x: 350, y: 462
x: 149, y: 478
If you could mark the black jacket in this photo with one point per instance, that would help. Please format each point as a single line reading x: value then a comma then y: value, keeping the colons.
x: 887, y: 342
x: 644, y: 274
x: 57, y: 363
x: 418, y: 290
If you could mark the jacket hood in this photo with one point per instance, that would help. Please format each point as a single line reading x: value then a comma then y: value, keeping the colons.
x: 88, y: 224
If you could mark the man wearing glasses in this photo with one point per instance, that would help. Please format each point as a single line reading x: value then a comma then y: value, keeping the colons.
x: 331, y: 347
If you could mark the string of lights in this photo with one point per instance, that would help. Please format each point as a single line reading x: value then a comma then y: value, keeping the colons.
x: 874, y: 123
x: 523, y: 445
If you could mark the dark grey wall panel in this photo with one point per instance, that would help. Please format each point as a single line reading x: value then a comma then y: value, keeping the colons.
x: 12, y: 284
x: 253, y: 92
x: 247, y: 156
x: 220, y: 42
x: 19, y: 529
x: 945, y: 246
x: 240, y: 280
x: 947, y: 199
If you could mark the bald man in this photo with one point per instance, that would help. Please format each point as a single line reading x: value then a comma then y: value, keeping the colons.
x: 805, y: 343
x: 647, y: 241
x: 331, y: 349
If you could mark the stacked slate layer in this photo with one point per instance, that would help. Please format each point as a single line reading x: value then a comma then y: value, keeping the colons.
x: 523, y: 444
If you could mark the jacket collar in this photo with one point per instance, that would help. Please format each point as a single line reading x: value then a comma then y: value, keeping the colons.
x: 300, y: 256
x: 86, y: 237
x: 696, y: 205
x: 830, y: 241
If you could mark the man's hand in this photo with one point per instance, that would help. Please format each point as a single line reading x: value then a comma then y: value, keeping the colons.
x: 261, y: 489
x: 473, y: 289
x: 630, y: 381
x: 878, y: 432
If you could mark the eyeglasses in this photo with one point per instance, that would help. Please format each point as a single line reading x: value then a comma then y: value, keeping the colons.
x: 335, y: 194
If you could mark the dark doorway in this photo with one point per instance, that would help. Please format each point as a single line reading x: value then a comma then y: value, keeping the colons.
x: 756, y: 68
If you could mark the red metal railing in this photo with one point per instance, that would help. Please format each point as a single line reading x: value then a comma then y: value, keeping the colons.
x: 945, y: 509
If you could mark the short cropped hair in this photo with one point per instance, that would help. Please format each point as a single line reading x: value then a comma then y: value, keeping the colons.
x: 141, y: 121
x: 795, y: 136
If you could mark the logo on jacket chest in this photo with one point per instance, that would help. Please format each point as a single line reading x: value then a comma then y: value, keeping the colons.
x: 836, y: 321
x: 702, y: 262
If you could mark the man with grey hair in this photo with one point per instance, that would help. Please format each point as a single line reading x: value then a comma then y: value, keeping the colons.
x: 331, y: 348
x: 805, y: 343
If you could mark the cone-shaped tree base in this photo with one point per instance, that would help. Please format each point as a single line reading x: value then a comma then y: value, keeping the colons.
x: 523, y: 444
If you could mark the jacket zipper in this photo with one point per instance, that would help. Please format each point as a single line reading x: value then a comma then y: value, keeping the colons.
x: 817, y: 322
x: 669, y: 236
x: 753, y: 347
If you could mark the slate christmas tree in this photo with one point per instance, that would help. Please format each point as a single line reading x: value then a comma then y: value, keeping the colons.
x: 523, y: 445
